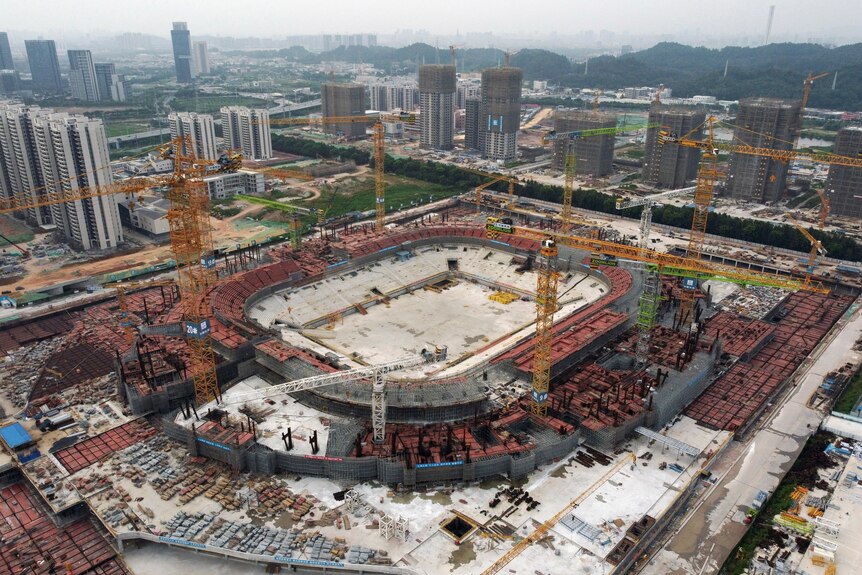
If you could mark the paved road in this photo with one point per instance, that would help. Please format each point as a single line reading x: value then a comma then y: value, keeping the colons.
x: 714, y: 527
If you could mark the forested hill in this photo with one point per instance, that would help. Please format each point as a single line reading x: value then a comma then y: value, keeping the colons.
x: 776, y: 70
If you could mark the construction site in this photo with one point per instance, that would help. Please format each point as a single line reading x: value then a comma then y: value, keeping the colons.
x: 479, y: 384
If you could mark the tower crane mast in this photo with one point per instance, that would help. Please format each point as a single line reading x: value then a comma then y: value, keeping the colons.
x: 378, y: 139
x: 546, y: 284
x: 571, y: 159
x: 708, y: 175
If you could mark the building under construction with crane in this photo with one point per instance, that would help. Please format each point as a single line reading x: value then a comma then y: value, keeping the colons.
x: 302, y: 325
x: 593, y: 156
x: 442, y: 347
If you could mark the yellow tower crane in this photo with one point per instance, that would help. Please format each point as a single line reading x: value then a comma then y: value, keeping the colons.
x: 571, y: 159
x: 708, y: 175
x: 191, y: 241
x: 668, y: 264
x: 494, y: 178
x: 816, y: 245
x: 123, y: 288
x: 378, y: 139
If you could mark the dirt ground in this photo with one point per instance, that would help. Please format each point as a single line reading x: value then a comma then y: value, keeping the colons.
x: 541, y: 115
x: 225, y: 233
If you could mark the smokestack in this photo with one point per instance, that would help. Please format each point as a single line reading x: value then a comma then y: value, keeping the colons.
x: 769, y: 24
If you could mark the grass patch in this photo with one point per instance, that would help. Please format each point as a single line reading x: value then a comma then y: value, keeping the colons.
x: 15, y: 230
x: 113, y: 129
x: 211, y: 104
x: 270, y: 204
x: 801, y: 199
x: 357, y: 194
x: 636, y: 154
x: 819, y: 134
x: 851, y: 394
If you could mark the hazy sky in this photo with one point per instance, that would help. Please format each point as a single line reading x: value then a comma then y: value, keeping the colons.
x: 803, y: 18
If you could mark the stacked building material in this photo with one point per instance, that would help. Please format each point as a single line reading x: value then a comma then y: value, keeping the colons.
x: 96, y: 448
x: 31, y: 543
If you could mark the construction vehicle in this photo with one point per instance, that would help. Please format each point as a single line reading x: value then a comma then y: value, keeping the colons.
x: 378, y: 140
x: 816, y: 245
x: 668, y: 264
x: 376, y: 373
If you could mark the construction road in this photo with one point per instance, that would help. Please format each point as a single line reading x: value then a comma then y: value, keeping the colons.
x: 713, y: 527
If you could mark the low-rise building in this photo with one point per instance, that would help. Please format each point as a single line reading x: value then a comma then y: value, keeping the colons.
x: 223, y: 186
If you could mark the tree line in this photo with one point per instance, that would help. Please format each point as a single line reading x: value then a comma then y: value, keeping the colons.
x: 743, y: 229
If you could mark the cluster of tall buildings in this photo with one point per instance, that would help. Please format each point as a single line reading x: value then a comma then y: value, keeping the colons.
x: 246, y: 130
x: 44, y: 152
x: 88, y: 80
x: 761, y: 123
x: 190, y: 58
x: 489, y: 111
x: 399, y: 93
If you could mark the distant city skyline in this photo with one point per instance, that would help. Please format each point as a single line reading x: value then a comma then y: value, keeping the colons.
x: 628, y: 21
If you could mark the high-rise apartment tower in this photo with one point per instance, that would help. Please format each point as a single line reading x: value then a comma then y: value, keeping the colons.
x: 201, y: 59
x: 247, y: 130
x: 500, y: 113
x: 43, y: 151
x: 437, y: 106
x: 669, y: 165
x: 200, y: 128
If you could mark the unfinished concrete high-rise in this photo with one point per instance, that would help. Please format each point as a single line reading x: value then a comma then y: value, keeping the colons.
x: 500, y: 113
x: 437, y: 106
x: 471, y: 124
x: 844, y: 184
x: 593, y: 155
x: 343, y: 100
x: 671, y: 165
x: 762, y: 123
